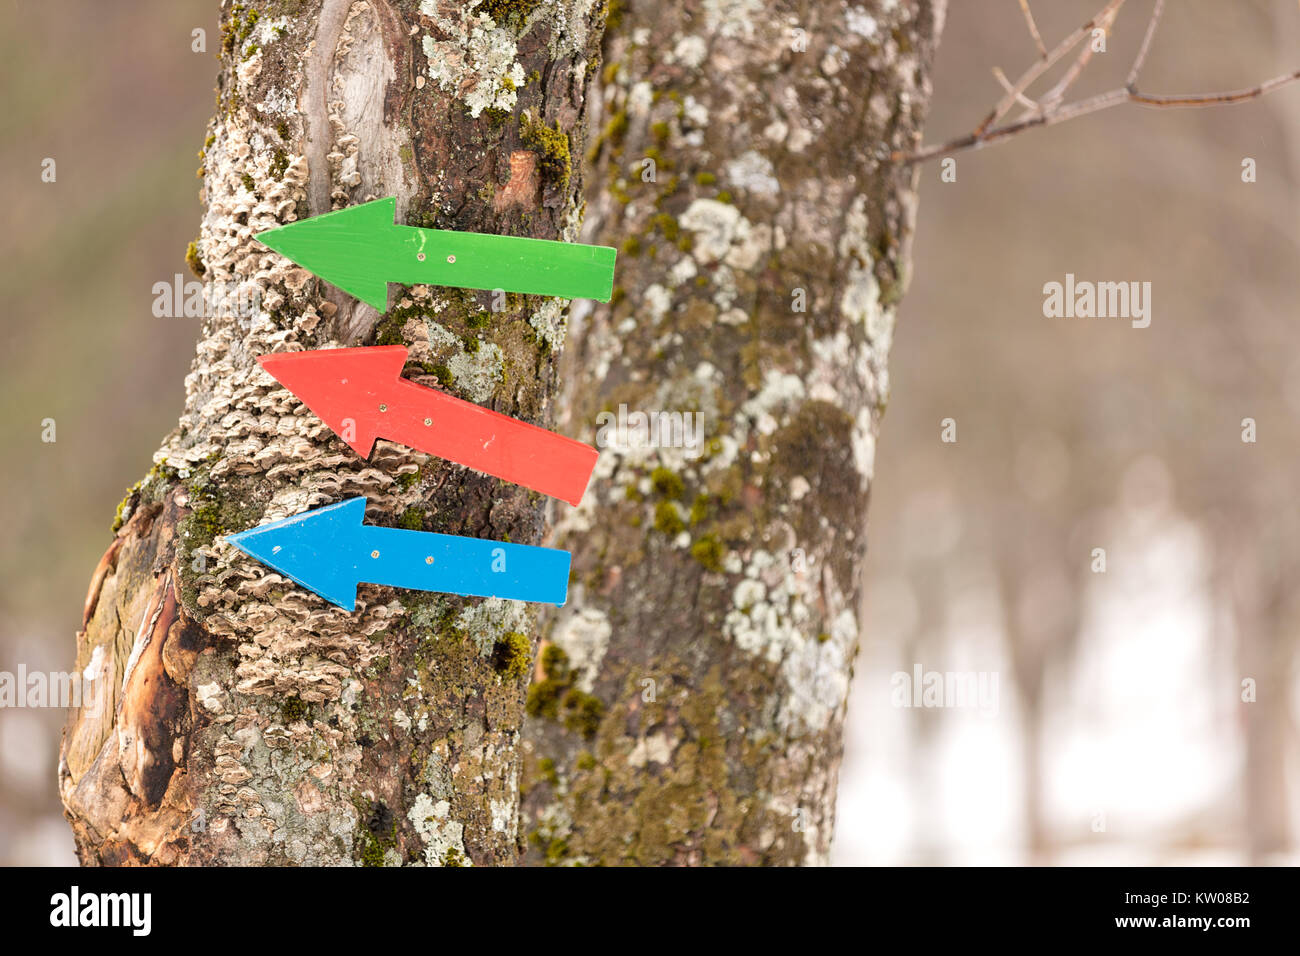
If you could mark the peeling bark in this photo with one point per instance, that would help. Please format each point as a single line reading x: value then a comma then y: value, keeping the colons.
x: 689, y: 705
x: 245, y: 720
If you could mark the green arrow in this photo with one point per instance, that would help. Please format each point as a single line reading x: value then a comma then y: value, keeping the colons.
x: 360, y: 250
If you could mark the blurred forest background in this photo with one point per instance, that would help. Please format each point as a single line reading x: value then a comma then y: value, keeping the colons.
x: 1118, y: 733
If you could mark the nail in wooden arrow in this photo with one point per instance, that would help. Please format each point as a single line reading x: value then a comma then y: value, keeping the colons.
x: 360, y: 250
x: 331, y: 550
x: 360, y: 394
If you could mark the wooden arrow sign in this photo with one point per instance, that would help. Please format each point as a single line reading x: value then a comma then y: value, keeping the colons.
x: 331, y: 550
x: 360, y: 394
x: 360, y: 250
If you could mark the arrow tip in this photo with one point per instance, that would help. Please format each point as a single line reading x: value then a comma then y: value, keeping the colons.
x: 344, y: 387
x: 341, y: 247
x: 313, y: 549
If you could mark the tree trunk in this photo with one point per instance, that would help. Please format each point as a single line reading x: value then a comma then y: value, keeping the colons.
x: 689, y: 706
x: 244, y: 720
x: 1263, y: 613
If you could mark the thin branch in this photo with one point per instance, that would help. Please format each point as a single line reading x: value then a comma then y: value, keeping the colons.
x: 1146, y: 45
x: 1023, y: 100
x: 1057, y: 93
x: 1049, y: 110
x: 1033, y: 28
x: 1185, y: 100
x: 1095, y: 104
x: 1038, y: 68
x: 980, y: 140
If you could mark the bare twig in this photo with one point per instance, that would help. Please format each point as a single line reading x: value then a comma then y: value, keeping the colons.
x: 1056, y: 94
x: 1185, y: 100
x: 1023, y: 100
x: 1050, y: 111
x: 1033, y: 28
x: 979, y: 141
x: 1038, y: 68
x: 1146, y: 45
x: 1095, y: 104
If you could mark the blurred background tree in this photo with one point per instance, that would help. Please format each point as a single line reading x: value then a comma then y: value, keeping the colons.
x: 1122, y: 692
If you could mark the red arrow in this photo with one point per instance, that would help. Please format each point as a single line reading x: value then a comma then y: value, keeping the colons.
x: 361, y: 395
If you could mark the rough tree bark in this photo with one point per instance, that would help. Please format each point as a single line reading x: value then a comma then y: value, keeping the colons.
x: 688, y: 706
x: 246, y: 721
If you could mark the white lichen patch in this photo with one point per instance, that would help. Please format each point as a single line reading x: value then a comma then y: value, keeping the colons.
x: 572, y: 230
x: 248, y: 70
x: 694, y: 113
x: 682, y: 271
x: 816, y: 672
x: 279, y: 101
x: 861, y: 22
x: 725, y: 451
x: 657, y: 299
x: 475, y: 374
x: 440, y: 338
x: 639, y: 99
x: 441, y: 834
x: 570, y: 24
x: 492, y: 619
x: 584, y: 637
x: 723, y: 234
x: 860, y: 301
x: 772, y: 617
x: 835, y: 59
x: 732, y: 18
x: 210, y: 697
x: 761, y: 627
x: 549, y: 323
x: 863, y: 441
x: 716, y: 225
x: 753, y: 172
x: 503, y: 815
x: 478, y: 374
x: 269, y: 30
x: 473, y: 58
x: 656, y: 748
x: 690, y: 52
x: 779, y: 392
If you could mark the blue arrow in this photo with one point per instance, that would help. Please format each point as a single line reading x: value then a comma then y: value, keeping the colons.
x: 330, y: 551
